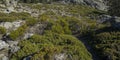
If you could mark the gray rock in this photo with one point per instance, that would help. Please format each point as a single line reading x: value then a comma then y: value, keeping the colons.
x: 60, y: 57
x: 14, y: 49
x: 10, y: 4
x: 37, y: 29
x: 7, y: 25
x: 28, y: 35
x: 13, y: 46
x: 17, y: 24
x: 12, y: 25
x: 104, y: 18
x: 113, y: 20
x: 3, y: 57
x: 98, y: 4
x: 3, y: 44
x: 12, y: 43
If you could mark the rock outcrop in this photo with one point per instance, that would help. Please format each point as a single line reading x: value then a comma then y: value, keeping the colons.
x: 98, y: 4
x: 12, y: 25
x: 10, y: 5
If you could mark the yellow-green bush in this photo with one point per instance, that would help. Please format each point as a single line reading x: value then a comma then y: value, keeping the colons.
x: 31, y: 21
x: 18, y: 33
x: 2, y: 30
x: 46, y: 46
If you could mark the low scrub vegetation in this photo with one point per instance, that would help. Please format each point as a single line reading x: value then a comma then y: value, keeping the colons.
x: 107, y: 44
x: 4, y: 17
x: 2, y: 30
x: 18, y: 33
x: 46, y: 46
x: 63, y: 23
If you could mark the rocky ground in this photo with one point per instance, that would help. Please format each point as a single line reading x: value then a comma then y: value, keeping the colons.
x: 8, y: 46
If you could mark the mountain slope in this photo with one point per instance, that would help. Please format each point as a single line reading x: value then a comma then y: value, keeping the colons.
x: 44, y: 31
x: 55, y: 30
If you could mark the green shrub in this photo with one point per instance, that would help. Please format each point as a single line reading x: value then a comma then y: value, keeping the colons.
x: 57, y: 28
x: 107, y: 44
x: 27, y: 49
x: 46, y: 46
x: 60, y: 26
x: 57, y: 37
x: 2, y: 30
x: 44, y: 17
x: 31, y: 21
x: 17, y: 33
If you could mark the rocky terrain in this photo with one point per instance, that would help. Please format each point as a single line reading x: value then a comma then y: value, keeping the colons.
x: 38, y: 31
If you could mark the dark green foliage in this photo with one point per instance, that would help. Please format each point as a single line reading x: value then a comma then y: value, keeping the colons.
x: 46, y: 46
x: 61, y: 26
x: 2, y: 30
x: 107, y: 44
x: 72, y: 25
x: 114, y: 8
x: 18, y: 33
x: 82, y: 27
x: 27, y: 48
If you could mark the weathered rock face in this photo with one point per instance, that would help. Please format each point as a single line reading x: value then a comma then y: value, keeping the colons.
x: 98, y: 4
x: 113, y: 20
x: 10, y: 46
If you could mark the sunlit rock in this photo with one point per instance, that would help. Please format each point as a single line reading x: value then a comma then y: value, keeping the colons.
x: 3, y: 44
x: 12, y: 25
x: 60, y: 57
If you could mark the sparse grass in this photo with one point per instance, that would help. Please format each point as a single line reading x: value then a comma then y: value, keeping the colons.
x: 4, y: 17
